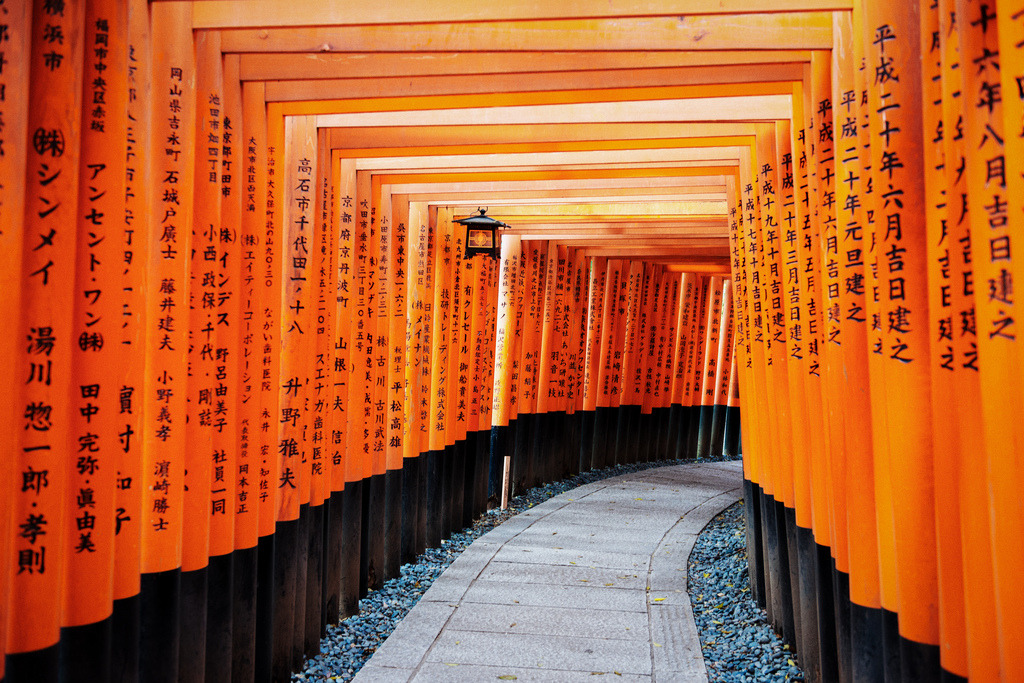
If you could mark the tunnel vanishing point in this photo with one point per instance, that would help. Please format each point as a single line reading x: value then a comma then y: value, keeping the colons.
x: 251, y: 369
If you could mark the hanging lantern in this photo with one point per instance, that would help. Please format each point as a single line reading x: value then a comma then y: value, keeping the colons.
x: 482, y: 235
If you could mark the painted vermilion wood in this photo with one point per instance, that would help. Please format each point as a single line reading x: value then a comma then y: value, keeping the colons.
x: 952, y: 624
x: 90, y: 507
x: 164, y: 390
x: 848, y: 114
x: 995, y: 224
x: 979, y: 600
x: 238, y: 14
x: 14, y: 109
x: 897, y: 167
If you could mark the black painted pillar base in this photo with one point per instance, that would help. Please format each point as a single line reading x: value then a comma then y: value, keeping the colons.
x: 364, y: 538
x: 793, y: 543
x: 693, y: 435
x: 919, y: 662
x: 716, y: 448
x: 374, y: 526
x: 541, y: 444
x: 772, y: 580
x: 810, y: 658
x: 603, y: 424
x: 265, y: 559
x: 351, y: 546
x: 494, y: 466
x: 434, y: 500
x: 731, y: 437
x: 587, y: 418
x: 457, y: 485
x: 675, y: 412
x: 891, y: 647
x: 192, y: 656
x: 301, y: 574
x: 866, y: 643
x: 766, y: 505
x: 314, y: 595
x: 841, y: 600
x: 483, y: 467
x: 469, y: 460
x: 445, y: 463
x: 827, y: 645
x: 706, y: 414
x: 788, y: 619
x: 286, y: 568
x: 126, y: 626
x: 39, y: 665
x: 243, y: 615
x: 682, y: 444
x: 574, y: 425
x: 526, y: 476
x: 755, y: 558
x: 410, y: 503
x: 666, y: 448
x: 333, y: 554
x: 85, y: 652
x: 220, y: 617
x: 392, y: 523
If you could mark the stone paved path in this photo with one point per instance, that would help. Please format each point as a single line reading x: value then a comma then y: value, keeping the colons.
x: 588, y: 586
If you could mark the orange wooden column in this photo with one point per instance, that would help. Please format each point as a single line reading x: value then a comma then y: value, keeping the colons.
x: 629, y: 407
x: 952, y: 625
x: 849, y: 123
x: 505, y: 328
x: 420, y: 298
x: 680, y: 410
x: 547, y: 366
x: 708, y: 366
x: 90, y: 507
x: 199, y: 431
x: 44, y: 400
x: 978, y: 599
x: 247, y: 209
x: 576, y: 361
x: 720, y: 387
x: 453, y: 468
x: 486, y: 353
x: 897, y: 173
x: 666, y: 351
x: 603, y: 455
x: 172, y: 102
x: 292, y: 421
x: 995, y: 223
x: 14, y: 109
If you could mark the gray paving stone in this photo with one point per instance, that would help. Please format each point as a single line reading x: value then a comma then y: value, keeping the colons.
x: 564, y: 575
x: 547, y: 620
x: 442, y: 673
x: 408, y: 644
x: 372, y: 673
x: 564, y: 556
x: 516, y: 593
x: 541, y: 652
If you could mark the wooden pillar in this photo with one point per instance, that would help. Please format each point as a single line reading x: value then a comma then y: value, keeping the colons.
x: 989, y: 126
x: 14, y: 108
x: 898, y: 175
x: 500, y: 459
x: 90, y: 505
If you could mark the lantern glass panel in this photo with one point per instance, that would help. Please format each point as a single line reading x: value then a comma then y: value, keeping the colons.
x: 481, y: 238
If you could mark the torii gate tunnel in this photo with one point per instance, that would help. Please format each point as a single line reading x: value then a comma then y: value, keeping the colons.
x: 249, y: 371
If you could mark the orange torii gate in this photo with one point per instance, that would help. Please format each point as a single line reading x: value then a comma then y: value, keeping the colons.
x: 252, y: 371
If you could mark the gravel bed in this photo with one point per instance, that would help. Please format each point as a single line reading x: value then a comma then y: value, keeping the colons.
x: 350, y: 643
x: 738, y: 643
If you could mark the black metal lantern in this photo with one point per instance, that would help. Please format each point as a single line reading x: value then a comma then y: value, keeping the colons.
x: 482, y: 235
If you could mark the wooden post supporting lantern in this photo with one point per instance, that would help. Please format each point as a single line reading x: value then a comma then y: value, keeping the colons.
x: 482, y: 234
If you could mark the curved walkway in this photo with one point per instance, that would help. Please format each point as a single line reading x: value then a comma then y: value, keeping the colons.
x: 591, y: 582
